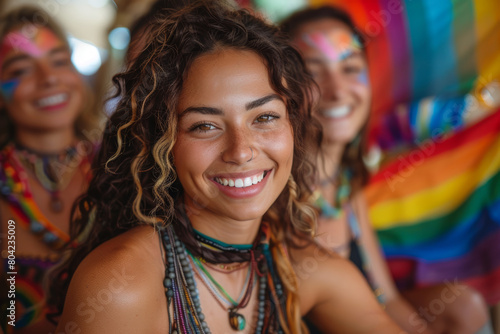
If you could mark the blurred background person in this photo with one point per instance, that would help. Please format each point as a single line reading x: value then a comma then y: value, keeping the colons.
x: 334, y: 53
x: 45, y: 112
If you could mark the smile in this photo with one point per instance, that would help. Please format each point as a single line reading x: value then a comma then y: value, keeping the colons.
x: 241, y: 182
x: 52, y: 100
x: 337, y: 112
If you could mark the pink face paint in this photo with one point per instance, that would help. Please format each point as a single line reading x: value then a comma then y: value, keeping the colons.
x: 334, y: 45
x: 30, y: 40
x: 34, y: 42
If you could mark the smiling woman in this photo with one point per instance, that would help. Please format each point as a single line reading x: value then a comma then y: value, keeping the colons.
x: 44, y: 164
x: 333, y: 51
x: 242, y: 121
x: 200, y: 194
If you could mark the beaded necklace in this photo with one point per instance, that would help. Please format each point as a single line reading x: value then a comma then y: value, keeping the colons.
x: 341, y: 197
x: 342, y: 204
x: 14, y: 187
x: 236, y: 320
x: 182, y: 293
x: 52, y: 171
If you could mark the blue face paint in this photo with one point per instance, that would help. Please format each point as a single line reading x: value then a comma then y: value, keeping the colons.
x: 363, y: 78
x: 8, y: 88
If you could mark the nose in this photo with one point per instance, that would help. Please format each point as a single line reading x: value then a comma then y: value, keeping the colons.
x: 332, y: 84
x: 238, y: 148
x: 46, y: 74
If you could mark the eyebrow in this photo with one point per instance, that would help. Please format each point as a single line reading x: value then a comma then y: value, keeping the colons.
x: 320, y: 60
x: 14, y: 59
x: 62, y: 48
x: 216, y: 111
x: 353, y: 54
x: 24, y: 56
x: 263, y: 100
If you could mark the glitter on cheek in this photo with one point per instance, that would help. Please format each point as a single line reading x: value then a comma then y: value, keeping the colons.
x: 8, y: 88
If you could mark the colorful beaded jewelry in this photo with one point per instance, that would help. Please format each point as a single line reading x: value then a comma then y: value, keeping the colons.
x: 14, y: 187
x: 341, y: 197
x: 182, y: 293
x: 53, y: 172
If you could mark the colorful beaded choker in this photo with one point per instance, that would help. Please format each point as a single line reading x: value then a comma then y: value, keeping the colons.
x: 214, y: 251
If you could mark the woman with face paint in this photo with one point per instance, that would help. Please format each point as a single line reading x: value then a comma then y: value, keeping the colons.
x: 334, y: 53
x: 44, y: 159
x: 197, y: 219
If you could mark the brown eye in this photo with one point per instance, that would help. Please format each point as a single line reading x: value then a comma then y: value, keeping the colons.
x: 61, y: 62
x: 266, y: 118
x: 202, y: 127
x: 20, y: 69
x: 352, y: 70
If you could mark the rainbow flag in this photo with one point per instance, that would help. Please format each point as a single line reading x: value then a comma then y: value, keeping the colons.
x: 437, y: 210
x: 436, y: 206
x: 418, y: 48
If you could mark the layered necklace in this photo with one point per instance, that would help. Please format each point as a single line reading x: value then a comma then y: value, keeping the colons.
x: 53, y: 172
x: 182, y: 293
x: 341, y: 204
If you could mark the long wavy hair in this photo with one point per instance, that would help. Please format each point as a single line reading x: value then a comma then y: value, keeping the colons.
x: 134, y: 178
x: 88, y: 122
x: 352, y: 157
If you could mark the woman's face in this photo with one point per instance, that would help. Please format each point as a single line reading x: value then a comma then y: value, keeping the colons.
x: 335, y: 58
x: 234, y: 147
x: 39, y: 86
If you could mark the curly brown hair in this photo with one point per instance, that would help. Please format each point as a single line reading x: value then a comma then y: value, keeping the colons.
x: 135, y: 182
x: 88, y: 123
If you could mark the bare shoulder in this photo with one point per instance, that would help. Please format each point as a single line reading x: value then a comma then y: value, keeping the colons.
x: 320, y: 273
x: 118, y: 286
x: 334, y: 295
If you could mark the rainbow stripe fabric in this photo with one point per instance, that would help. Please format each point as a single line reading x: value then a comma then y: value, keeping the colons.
x: 436, y: 206
x: 426, y: 48
x: 437, y: 210
x: 418, y: 48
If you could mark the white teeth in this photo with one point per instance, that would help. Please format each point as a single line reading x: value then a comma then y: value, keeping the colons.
x: 52, y: 100
x: 247, y: 182
x: 337, y: 112
x: 241, y: 183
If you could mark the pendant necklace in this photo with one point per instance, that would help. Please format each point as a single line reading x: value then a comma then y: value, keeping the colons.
x: 236, y: 319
